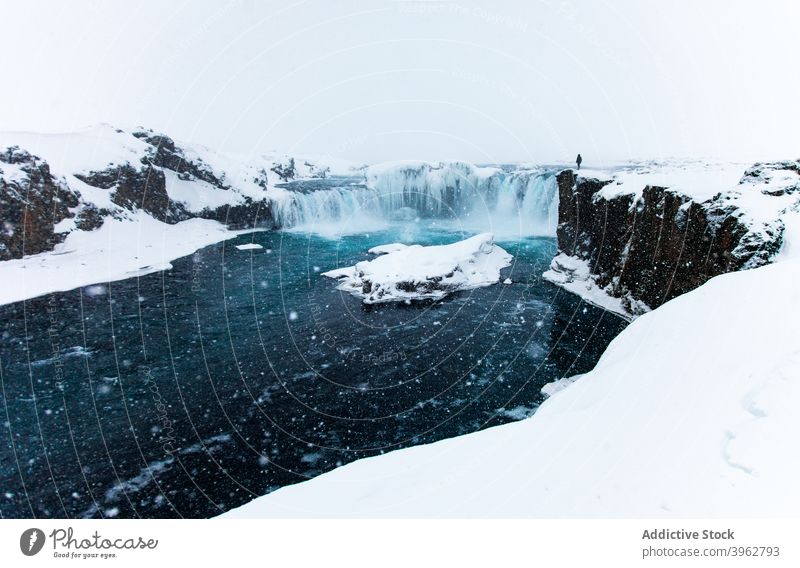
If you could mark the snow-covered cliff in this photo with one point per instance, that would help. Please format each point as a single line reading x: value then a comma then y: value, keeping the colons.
x: 54, y: 184
x: 633, y: 238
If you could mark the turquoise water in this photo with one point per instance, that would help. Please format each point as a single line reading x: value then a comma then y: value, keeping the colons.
x: 191, y: 391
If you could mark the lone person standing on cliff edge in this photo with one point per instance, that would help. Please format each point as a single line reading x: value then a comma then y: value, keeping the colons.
x: 578, y: 161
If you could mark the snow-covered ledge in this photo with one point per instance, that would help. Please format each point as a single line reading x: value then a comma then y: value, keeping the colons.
x: 672, y: 422
x: 575, y: 276
x: 120, y: 249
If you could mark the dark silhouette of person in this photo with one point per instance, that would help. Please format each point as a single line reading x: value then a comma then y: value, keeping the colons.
x: 578, y: 161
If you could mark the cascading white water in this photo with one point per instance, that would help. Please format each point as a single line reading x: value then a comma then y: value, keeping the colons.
x: 510, y: 204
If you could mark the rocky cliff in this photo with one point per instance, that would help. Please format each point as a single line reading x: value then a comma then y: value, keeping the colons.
x: 650, y: 244
x: 32, y: 203
x: 109, y: 173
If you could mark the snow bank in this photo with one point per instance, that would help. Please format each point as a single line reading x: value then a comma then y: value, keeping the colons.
x: 691, y: 412
x: 92, y: 148
x: 698, y: 179
x: 121, y: 248
x: 574, y: 275
x: 385, y: 249
x: 417, y: 272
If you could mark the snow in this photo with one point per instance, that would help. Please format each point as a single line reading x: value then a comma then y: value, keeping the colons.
x: 13, y: 173
x: 93, y: 148
x: 698, y: 179
x: 574, y: 275
x: 551, y: 389
x: 249, y: 246
x: 385, y: 249
x: 100, y: 198
x: 121, y: 248
x: 689, y: 413
x: 424, y: 272
x: 596, y: 173
x: 197, y: 195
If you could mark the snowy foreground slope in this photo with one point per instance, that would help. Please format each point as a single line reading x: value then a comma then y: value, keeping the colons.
x: 418, y: 272
x: 690, y: 412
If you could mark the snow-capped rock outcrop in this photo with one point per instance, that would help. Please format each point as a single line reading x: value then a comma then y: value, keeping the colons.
x: 646, y: 234
x: 418, y: 272
x: 52, y: 184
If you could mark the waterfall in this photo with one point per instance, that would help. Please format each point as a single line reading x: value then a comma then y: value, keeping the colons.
x: 511, y: 203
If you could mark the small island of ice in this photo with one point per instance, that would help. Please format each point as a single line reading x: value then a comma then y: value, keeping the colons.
x: 424, y: 272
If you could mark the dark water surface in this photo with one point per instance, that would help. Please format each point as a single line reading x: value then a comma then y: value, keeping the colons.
x: 191, y: 391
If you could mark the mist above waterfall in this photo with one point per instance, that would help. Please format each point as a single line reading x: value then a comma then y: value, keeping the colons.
x: 456, y: 195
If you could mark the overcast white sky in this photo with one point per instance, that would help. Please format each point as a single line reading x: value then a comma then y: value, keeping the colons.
x: 383, y: 80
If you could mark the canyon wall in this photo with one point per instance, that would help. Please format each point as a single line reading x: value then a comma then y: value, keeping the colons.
x: 38, y: 206
x: 650, y: 246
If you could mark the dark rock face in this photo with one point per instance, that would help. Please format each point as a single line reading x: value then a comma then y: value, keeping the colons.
x: 31, y: 204
x: 33, y: 201
x: 248, y: 215
x: 145, y: 189
x: 285, y: 171
x: 660, y: 246
x: 134, y: 189
x: 90, y: 218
